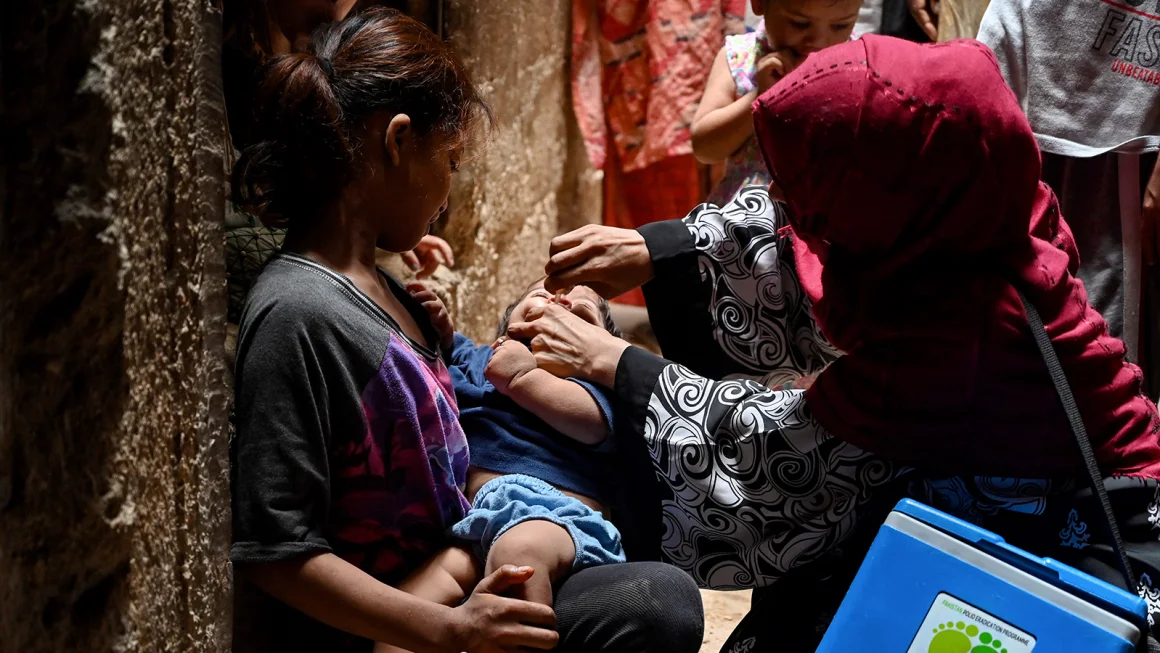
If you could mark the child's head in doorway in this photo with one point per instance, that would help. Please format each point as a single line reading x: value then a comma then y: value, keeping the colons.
x: 805, y: 26
x: 370, y: 121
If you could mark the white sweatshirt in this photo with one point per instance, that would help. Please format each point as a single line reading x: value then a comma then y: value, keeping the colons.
x: 1087, y: 72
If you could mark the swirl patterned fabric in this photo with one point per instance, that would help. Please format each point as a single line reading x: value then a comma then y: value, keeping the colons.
x: 976, y: 498
x: 761, y: 316
x: 758, y: 486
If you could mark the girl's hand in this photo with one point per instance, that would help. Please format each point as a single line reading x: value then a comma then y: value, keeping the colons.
x: 440, y: 317
x: 508, y: 364
x: 429, y: 254
x: 609, y: 260
x: 567, y: 346
x: 772, y: 67
x: 489, y: 623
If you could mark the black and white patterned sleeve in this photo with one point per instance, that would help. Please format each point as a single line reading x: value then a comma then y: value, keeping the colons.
x: 725, y: 298
x: 751, y: 486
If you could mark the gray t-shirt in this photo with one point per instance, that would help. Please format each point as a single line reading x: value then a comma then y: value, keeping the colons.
x: 1086, y: 72
x: 348, y: 437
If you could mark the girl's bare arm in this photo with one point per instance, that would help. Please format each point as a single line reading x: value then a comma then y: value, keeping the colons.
x: 335, y: 592
x: 723, y: 122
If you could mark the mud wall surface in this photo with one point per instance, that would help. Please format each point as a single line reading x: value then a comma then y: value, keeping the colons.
x: 114, y: 394
x: 113, y: 487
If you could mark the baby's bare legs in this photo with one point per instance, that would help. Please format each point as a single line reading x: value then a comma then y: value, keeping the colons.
x: 446, y: 578
x: 541, y: 545
x: 450, y: 575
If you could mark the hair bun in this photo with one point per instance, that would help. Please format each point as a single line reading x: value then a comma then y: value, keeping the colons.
x: 306, y: 127
x: 327, y: 67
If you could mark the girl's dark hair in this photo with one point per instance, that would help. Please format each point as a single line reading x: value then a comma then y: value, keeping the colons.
x: 310, y: 108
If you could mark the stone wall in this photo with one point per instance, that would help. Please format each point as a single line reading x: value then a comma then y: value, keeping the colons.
x: 960, y: 19
x: 114, y: 507
x: 113, y: 486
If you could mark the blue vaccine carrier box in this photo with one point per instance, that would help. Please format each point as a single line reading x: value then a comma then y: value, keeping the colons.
x: 932, y: 583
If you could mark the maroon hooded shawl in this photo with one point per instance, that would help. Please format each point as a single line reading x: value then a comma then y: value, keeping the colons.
x: 912, y: 184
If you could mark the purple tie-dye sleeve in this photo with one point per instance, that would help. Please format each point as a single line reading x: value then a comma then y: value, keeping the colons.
x: 399, y: 487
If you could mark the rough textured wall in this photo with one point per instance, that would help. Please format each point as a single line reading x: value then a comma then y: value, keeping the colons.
x: 113, y: 488
x: 960, y: 19
x: 113, y: 481
x: 509, y: 202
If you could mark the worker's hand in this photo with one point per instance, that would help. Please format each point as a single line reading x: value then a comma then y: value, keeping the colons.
x: 609, y: 260
x: 568, y: 346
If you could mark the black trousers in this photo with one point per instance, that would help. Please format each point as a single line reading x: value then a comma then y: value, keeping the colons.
x: 636, y: 607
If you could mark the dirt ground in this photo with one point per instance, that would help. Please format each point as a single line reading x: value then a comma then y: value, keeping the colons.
x: 722, y: 612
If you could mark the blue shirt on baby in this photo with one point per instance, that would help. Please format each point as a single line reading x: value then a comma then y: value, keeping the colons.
x: 503, y: 437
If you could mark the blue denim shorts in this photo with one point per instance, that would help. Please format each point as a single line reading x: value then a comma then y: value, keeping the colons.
x: 514, y: 499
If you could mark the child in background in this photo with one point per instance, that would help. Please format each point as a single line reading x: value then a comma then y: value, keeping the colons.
x: 749, y: 64
x: 349, y: 462
x: 540, y: 460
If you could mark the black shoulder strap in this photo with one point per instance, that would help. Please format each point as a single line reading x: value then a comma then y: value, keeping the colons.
x: 1085, y: 446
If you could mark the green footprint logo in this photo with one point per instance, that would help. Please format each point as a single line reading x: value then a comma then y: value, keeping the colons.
x: 958, y: 637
